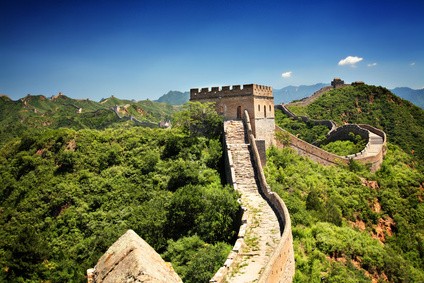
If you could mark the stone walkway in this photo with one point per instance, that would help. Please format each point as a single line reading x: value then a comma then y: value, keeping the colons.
x: 263, y: 233
x: 375, y: 145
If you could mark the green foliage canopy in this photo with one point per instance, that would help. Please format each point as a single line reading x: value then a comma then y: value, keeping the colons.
x: 327, y: 205
x: 66, y: 195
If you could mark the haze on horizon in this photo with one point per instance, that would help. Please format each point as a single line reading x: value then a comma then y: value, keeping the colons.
x: 143, y: 49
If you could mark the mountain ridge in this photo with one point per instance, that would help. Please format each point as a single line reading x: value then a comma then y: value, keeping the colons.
x: 292, y: 93
x: 38, y: 111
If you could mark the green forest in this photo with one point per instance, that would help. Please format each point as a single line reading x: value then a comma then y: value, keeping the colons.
x: 60, y: 111
x: 350, y: 225
x: 72, y: 183
x: 402, y: 121
x: 67, y: 195
x: 317, y: 135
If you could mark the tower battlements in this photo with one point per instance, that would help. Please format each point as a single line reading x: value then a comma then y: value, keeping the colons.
x: 229, y: 91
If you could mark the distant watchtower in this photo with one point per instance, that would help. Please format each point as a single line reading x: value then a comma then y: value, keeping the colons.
x: 337, y: 83
x: 232, y: 101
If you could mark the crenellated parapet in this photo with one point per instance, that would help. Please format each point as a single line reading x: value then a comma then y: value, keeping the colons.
x: 232, y: 101
x: 230, y: 91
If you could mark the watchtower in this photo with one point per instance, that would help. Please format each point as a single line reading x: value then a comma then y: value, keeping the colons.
x: 231, y: 101
x: 337, y: 83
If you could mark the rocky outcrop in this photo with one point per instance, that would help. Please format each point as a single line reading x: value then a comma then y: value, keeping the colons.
x: 131, y: 259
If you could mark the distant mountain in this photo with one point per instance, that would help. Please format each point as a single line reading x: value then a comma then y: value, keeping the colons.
x: 415, y: 96
x: 175, y: 97
x: 290, y: 93
x: 38, y: 111
x: 285, y: 94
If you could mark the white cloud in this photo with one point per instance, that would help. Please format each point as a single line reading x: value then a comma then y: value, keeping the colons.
x: 287, y: 74
x: 350, y: 60
x: 372, y: 65
x: 412, y: 64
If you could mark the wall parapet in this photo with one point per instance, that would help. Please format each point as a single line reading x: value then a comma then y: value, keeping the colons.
x: 365, y: 156
x: 281, y: 266
x: 229, y: 91
x: 233, y: 257
x: 328, y: 123
x: 343, y: 133
x: 314, y: 152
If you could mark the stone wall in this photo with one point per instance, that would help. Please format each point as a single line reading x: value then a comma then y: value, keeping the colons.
x: 281, y: 266
x: 328, y: 123
x: 230, y: 91
x: 233, y: 256
x: 315, y: 153
x: 374, y: 160
x: 378, y: 132
x: 313, y: 97
x: 232, y: 101
x: 342, y: 133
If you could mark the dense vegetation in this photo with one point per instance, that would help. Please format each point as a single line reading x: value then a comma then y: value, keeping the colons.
x: 352, y: 225
x: 306, y: 131
x: 71, y: 184
x: 402, y: 121
x: 61, y: 111
x: 66, y: 195
x: 317, y: 134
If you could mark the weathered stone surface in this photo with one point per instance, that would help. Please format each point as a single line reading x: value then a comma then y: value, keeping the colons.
x: 231, y: 103
x: 263, y: 232
x: 131, y: 259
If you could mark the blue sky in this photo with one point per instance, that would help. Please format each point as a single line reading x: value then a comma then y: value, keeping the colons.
x: 142, y: 49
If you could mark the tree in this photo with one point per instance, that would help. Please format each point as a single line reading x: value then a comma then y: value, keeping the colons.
x: 199, y: 119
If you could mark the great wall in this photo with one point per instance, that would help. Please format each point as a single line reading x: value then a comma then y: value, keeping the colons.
x: 263, y: 251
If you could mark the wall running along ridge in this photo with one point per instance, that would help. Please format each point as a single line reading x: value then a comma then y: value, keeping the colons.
x: 365, y: 156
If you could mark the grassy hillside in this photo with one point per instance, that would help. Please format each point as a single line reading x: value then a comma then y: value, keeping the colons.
x: 402, y: 121
x: 39, y: 112
x: 352, y: 225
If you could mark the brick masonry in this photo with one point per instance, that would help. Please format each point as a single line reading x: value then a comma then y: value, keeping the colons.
x: 232, y: 101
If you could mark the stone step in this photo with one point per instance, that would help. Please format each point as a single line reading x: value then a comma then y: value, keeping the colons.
x: 264, y: 226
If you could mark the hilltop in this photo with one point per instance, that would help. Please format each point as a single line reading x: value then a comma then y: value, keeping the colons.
x: 292, y: 93
x: 402, y: 121
x: 175, y: 97
x: 38, y: 112
x: 351, y: 225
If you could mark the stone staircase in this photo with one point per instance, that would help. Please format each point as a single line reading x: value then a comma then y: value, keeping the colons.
x: 263, y: 232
